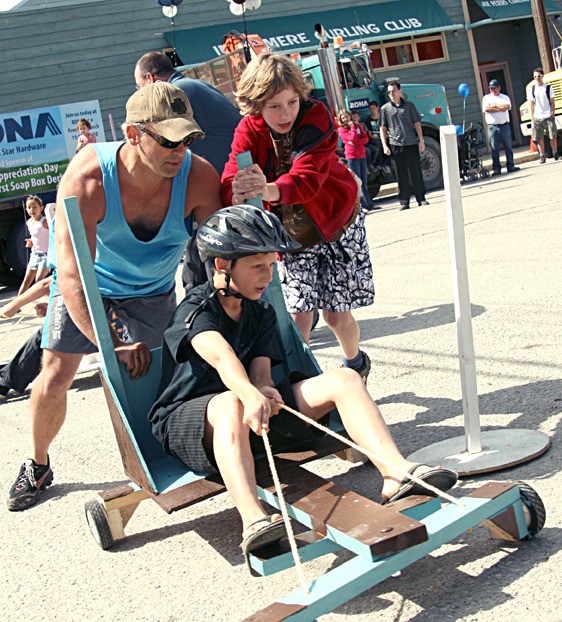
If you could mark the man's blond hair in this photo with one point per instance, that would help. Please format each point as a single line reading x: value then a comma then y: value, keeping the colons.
x: 264, y: 77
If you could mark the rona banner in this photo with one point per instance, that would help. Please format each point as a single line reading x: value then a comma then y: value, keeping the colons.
x: 37, y: 145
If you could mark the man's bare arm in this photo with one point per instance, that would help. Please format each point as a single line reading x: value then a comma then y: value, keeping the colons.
x: 203, y: 190
x: 83, y: 179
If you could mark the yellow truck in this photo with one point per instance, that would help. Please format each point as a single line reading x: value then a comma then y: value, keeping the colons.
x: 554, y: 78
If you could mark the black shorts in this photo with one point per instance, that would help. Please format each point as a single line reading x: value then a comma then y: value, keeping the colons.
x: 186, y: 429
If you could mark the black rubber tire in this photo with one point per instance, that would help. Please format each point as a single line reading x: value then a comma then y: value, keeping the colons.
x: 374, y: 188
x: 470, y: 177
x: 537, y: 512
x: 432, y: 167
x: 16, y: 252
x: 484, y: 173
x: 97, y: 522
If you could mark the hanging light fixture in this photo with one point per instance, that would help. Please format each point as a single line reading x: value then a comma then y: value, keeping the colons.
x: 170, y: 9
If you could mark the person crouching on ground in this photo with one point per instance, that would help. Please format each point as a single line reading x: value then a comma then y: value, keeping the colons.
x: 217, y: 394
x: 293, y: 143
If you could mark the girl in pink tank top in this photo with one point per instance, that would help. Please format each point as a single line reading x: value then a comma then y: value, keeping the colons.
x: 83, y: 126
x: 38, y: 242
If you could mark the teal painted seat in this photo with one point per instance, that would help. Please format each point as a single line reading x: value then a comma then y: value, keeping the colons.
x: 144, y: 459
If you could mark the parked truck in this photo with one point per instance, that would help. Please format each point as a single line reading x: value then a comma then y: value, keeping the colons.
x: 347, y: 70
x: 554, y: 78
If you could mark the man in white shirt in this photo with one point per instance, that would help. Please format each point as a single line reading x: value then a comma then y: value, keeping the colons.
x: 496, y: 107
x: 542, y: 112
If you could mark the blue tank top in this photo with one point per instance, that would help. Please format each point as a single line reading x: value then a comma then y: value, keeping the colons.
x: 127, y: 267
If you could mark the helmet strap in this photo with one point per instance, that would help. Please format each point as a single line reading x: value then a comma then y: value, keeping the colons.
x: 227, y: 291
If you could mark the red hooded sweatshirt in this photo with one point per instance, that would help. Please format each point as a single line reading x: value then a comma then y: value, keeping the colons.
x: 317, y: 179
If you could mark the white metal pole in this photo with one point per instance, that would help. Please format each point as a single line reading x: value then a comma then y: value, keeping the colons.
x: 463, y: 317
x: 110, y: 116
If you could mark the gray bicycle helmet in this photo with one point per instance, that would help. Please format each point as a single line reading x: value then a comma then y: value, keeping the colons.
x: 242, y: 230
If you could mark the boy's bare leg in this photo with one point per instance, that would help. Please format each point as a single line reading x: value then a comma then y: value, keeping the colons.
x: 304, y: 323
x: 344, y: 389
x: 48, y: 400
x: 346, y: 330
x: 229, y: 439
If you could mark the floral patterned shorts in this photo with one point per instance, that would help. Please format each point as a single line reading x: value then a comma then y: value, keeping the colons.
x: 335, y: 277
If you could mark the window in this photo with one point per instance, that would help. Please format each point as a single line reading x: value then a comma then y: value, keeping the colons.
x: 409, y: 51
x: 377, y: 61
x: 309, y: 81
x: 400, y: 54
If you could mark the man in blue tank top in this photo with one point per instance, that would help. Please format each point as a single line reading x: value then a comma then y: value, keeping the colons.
x: 138, y: 199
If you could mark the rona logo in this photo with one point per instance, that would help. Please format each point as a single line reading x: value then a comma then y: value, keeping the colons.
x: 360, y: 103
x: 12, y: 129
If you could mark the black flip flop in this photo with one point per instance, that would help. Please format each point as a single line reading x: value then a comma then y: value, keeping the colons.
x: 438, y: 477
x: 271, y: 532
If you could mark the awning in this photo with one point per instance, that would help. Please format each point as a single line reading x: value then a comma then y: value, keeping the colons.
x: 505, y: 10
x: 387, y: 20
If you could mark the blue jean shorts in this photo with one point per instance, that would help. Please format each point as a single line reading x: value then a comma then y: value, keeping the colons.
x: 37, y: 261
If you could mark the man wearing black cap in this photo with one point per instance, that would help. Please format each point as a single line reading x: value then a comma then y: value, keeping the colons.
x: 138, y: 200
x: 496, y: 107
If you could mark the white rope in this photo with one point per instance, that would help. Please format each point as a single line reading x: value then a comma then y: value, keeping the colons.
x: 283, y: 507
x: 369, y: 454
x: 14, y: 324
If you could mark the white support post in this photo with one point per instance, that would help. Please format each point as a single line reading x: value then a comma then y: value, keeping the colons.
x: 463, y: 315
x: 475, y: 452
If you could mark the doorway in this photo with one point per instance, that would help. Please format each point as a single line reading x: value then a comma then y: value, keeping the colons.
x: 500, y: 72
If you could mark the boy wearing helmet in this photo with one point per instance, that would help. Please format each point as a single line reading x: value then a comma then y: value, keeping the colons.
x: 217, y: 394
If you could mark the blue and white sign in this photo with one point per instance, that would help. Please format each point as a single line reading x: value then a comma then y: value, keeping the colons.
x: 37, y: 145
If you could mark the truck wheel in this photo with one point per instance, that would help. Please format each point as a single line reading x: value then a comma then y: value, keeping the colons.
x: 374, y: 188
x: 432, y: 168
x: 16, y: 252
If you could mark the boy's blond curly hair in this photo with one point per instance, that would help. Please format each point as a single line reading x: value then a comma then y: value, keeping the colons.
x: 265, y: 76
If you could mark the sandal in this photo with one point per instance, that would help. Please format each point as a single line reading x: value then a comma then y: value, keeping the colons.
x: 437, y: 476
x: 271, y: 532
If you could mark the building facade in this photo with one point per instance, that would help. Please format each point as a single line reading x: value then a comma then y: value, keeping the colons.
x: 62, y: 51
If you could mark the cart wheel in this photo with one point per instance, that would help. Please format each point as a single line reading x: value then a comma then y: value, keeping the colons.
x: 533, y: 508
x: 484, y: 173
x: 470, y: 177
x: 97, y: 522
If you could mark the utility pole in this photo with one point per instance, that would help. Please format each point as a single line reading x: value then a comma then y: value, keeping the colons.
x: 543, y: 35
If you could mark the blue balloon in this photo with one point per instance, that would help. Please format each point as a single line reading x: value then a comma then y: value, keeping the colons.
x: 458, y: 128
x: 464, y: 90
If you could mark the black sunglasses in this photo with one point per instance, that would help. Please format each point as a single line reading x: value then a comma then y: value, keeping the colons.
x: 164, y: 142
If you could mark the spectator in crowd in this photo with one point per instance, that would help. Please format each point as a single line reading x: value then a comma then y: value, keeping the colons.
x: 496, y: 107
x: 402, y: 139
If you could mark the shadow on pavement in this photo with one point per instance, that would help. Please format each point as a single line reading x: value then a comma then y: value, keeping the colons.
x: 416, y: 319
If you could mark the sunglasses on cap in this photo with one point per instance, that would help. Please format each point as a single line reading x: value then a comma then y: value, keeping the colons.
x: 168, y: 144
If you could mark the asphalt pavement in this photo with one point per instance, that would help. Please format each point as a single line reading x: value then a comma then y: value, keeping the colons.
x: 188, y: 566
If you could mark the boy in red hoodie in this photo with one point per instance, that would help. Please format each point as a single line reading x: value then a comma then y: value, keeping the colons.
x: 293, y: 141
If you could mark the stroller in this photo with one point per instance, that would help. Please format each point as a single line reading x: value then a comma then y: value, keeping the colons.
x: 470, y: 162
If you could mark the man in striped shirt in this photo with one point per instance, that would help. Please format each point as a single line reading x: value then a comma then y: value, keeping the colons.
x: 402, y: 139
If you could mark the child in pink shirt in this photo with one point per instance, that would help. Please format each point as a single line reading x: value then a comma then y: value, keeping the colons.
x: 354, y: 138
x: 38, y: 242
x: 84, y: 126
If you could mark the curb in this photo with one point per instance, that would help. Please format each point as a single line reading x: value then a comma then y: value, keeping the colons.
x: 521, y: 155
